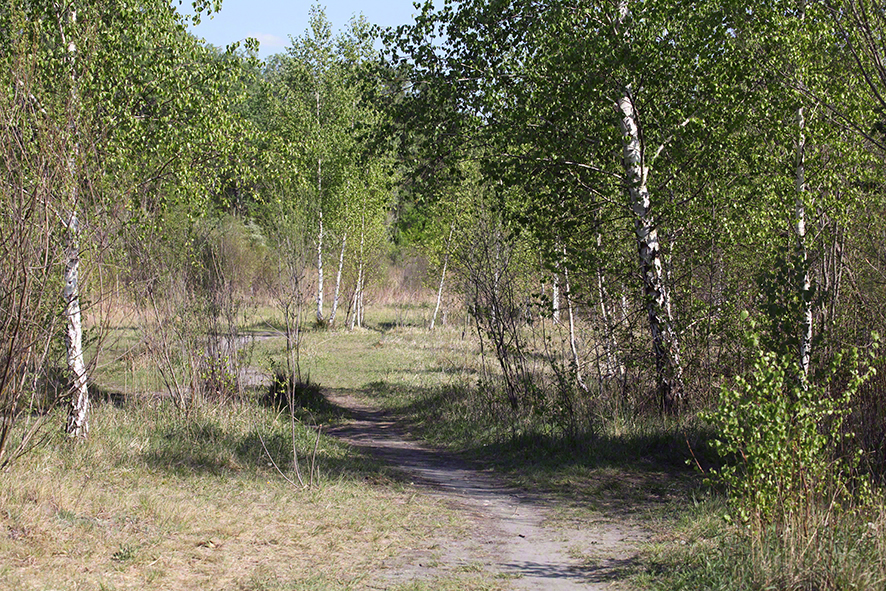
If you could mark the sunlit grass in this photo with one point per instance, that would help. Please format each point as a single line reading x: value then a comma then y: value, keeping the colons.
x: 159, y: 498
x: 151, y: 500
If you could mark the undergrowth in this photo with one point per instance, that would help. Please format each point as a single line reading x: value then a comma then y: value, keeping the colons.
x: 798, y: 514
x: 154, y: 499
x: 635, y: 465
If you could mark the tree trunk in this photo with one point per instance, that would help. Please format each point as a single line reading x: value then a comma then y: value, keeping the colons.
x: 800, y: 188
x: 609, y: 345
x: 572, y: 342
x: 320, y: 245
x: 77, y: 424
x: 357, y: 304
x: 805, y: 282
x: 341, y: 264
x: 664, y: 341
x: 320, y: 233
x: 361, y: 301
x: 442, y: 277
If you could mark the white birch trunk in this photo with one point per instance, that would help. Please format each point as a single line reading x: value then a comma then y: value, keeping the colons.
x: 77, y: 424
x: 352, y: 315
x: 320, y: 318
x: 360, y: 309
x: 664, y: 340
x: 608, y: 337
x: 806, y: 283
x: 555, y: 296
x: 357, y: 303
x: 362, y: 277
x: 341, y: 264
x: 572, y: 341
x: 439, y: 293
x: 442, y: 277
x: 800, y: 186
x: 320, y: 247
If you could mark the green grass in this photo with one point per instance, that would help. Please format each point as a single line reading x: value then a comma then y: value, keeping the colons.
x: 703, y: 551
x: 157, y: 499
x: 154, y: 498
x: 151, y: 499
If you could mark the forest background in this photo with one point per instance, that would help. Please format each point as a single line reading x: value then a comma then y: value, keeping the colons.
x: 645, y: 213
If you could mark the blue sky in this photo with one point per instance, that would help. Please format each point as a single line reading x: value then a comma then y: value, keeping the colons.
x: 273, y: 21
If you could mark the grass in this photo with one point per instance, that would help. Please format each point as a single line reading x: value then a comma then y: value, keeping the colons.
x: 154, y: 499
x: 150, y: 501
x: 703, y: 551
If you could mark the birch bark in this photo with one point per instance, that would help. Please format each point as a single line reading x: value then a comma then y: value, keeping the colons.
x: 658, y: 306
x: 805, y: 281
x: 576, y: 360
x: 320, y: 318
x: 665, y: 346
x: 341, y: 264
x: 442, y: 277
x: 355, y: 300
x: 77, y: 424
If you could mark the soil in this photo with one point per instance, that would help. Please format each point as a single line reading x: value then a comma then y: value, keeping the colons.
x: 511, y: 533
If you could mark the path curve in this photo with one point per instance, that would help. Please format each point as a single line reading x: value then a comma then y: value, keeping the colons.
x: 513, y: 539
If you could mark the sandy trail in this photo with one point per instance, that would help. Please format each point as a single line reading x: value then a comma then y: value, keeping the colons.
x: 511, y: 536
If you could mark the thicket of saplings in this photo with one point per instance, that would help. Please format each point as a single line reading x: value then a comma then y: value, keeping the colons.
x: 801, y: 457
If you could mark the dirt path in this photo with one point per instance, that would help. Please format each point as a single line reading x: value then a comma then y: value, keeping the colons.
x: 511, y: 536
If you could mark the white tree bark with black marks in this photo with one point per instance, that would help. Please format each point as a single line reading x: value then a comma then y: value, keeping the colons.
x: 805, y: 281
x: 442, y: 277
x: 805, y: 352
x: 78, y: 415
x: 665, y: 344
x: 356, y: 317
x: 341, y: 264
x: 320, y: 317
x: 573, y: 345
x: 658, y: 307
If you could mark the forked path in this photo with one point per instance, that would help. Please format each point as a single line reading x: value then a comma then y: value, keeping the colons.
x: 512, y: 537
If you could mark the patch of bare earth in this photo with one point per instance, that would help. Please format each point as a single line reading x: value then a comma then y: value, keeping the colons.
x: 512, y: 538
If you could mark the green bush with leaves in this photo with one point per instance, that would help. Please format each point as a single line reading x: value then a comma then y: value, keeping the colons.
x: 780, y: 434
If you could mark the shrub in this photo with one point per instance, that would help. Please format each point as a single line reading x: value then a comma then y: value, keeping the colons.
x: 780, y: 434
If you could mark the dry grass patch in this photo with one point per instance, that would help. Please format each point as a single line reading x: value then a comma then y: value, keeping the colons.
x: 148, y: 502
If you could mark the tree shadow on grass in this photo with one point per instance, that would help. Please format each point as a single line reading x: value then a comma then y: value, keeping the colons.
x: 646, y: 466
x: 211, y: 445
x: 99, y: 396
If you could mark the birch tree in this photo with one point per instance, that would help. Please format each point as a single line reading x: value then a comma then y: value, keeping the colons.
x: 325, y: 107
x: 125, y: 86
x: 77, y: 425
x: 543, y: 81
x: 798, y: 183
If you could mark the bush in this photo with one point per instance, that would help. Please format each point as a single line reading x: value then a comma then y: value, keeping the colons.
x: 780, y: 434
x: 305, y: 395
